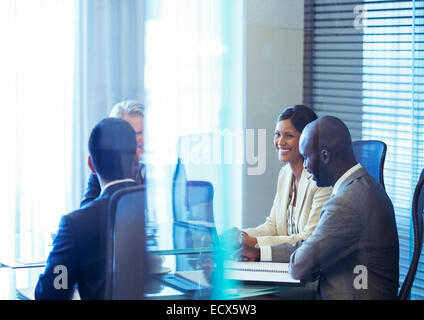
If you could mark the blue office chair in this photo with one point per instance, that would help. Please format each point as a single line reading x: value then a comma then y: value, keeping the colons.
x: 179, y: 192
x: 417, y: 221
x: 200, y: 200
x: 371, y: 155
x: 191, y: 199
x: 126, y: 264
x: 192, y: 202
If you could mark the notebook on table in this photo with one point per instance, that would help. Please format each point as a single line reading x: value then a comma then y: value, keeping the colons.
x: 263, y: 272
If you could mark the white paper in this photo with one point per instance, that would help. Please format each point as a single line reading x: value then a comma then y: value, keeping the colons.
x: 258, y: 271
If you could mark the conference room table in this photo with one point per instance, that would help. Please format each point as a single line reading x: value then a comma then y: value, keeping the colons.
x: 182, y: 249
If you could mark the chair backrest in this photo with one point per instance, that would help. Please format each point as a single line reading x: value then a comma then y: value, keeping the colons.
x: 371, y: 155
x: 127, y: 267
x: 179, y: 192
x: 200, y: 200
x: 417, y: 221
x: 191, y: 199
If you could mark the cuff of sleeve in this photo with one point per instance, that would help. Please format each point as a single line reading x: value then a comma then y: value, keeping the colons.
x: 266, y: 253
x: 263, y: 242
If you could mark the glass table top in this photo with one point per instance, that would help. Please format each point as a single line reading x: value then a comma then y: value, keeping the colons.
x: 186, y: 249
x: 20, y: 284
x: 180, y: 238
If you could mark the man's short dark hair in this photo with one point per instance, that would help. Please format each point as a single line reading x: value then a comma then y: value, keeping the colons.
x: 112, y: 148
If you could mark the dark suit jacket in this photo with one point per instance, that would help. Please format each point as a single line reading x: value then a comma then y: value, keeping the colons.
x: 355, y: 248
x: 80, y: 246
x: 93, y: 185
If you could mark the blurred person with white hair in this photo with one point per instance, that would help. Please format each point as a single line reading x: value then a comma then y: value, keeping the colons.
x: 133, y: 112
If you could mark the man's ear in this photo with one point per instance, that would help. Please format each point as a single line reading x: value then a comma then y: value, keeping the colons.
x: 138, y: 153
x: 325, y: 156
x: 90, y: 165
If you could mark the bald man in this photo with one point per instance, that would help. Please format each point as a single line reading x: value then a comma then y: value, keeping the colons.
x: 354, y: 251
x: 355, y: 248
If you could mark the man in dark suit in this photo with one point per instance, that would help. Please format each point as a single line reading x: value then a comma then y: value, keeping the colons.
x: 132, y: 112
x: 354, y: 251
x: 78, y: 256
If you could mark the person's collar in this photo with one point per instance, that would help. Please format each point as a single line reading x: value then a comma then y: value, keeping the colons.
x: 115, y: 182
x: 344, y: 177
x: 142, y: 170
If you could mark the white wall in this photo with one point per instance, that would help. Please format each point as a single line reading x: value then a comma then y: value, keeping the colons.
x: 274, y: 75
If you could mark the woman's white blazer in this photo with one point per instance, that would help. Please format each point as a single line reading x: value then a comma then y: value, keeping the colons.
x: 310, y: 199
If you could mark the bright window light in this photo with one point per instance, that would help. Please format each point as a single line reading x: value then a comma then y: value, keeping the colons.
x: 36, y: 81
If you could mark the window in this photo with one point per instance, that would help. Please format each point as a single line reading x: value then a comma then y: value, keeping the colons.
x: 36, y: 84
x: 364, y: 64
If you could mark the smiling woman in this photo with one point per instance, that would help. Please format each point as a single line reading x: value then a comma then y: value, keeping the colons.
x: 36, y: 84
x: 286, y: 140
x: 298, y: 201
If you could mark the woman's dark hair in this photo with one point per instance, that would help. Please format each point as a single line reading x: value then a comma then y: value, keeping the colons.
x: 300, y: 115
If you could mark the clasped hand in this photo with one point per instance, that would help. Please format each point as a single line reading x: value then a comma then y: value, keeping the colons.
x: 242, y: 245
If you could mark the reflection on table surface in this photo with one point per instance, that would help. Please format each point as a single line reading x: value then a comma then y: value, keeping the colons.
x: 164, y: 239
x: 20, y: 283
x: 180, y: 238
x: 188, y: 254
x: 206, y: 284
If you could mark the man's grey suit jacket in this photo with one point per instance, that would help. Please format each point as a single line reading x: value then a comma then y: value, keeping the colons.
x: 355, y: 248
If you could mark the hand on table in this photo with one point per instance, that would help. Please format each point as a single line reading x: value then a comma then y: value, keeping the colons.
x: 247, y: 253
x: 242, y: 244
